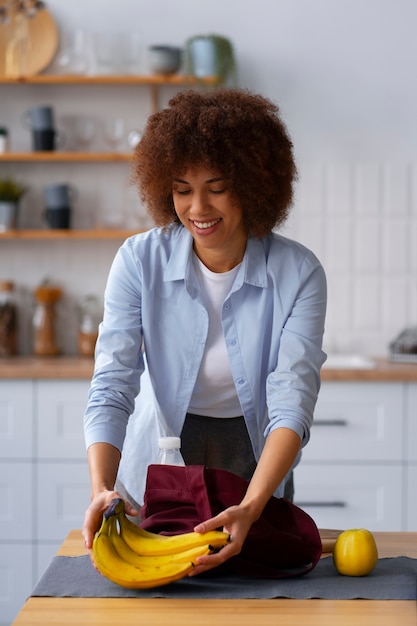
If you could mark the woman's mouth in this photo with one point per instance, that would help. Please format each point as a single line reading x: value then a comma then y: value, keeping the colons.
x: 206, y: 225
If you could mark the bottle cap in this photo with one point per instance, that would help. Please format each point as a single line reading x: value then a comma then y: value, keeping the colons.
x: 167, y: 443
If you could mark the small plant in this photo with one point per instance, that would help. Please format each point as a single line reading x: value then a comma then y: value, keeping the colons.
x: 11, y: 190
x: 225, y: 62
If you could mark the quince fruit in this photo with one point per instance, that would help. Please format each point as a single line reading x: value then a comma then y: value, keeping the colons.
x: 355, y: 552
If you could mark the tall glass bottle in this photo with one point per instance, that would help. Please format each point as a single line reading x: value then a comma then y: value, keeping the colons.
x: 8, y: 319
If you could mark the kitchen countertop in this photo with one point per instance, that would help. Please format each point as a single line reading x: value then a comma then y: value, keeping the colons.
x: 81, y: 368
x: 169, y: 612
x: 57, y: 367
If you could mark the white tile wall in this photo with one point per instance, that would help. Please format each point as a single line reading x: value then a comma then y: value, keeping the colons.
x: 359, y: 218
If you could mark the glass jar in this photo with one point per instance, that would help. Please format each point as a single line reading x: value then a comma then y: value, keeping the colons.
x: 8, y: 319
x: 4, y: 140
x: 88, y: 329
x: 44, y: 340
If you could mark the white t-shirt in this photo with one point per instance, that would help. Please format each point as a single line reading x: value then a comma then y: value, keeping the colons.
x: 214, y: 393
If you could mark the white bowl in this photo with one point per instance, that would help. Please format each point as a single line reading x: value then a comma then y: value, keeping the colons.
x: 164, y: 59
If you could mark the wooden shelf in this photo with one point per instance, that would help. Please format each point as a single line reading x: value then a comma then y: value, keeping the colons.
x: 125, y: 79
x: 68, y: 234
x: 56, y: 156
x: 153, y: 81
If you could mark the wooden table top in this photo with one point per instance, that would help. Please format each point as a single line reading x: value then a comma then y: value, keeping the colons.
x: 168, y: 612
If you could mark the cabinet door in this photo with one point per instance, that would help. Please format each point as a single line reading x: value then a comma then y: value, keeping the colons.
x: 61, y: 406
x: 63, y: 497
x: 44, y: 553
x: 411, y: 429
x: 357, y: 422
x: 16, y: 581
x: 16, y: 498
x: 411, y: 501
x: 348, y: 496
x: 16, y: 419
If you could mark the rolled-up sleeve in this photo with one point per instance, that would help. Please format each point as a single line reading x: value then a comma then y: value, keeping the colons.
x: 293, y: 386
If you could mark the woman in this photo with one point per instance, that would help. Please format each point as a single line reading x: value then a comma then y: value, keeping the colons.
x: 213, y: 322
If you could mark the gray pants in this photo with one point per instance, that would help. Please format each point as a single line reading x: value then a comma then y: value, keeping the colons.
x: 222, y: 444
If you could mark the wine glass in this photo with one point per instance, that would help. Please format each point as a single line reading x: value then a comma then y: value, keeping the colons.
x: 84, y: 131
x: 113, y: 130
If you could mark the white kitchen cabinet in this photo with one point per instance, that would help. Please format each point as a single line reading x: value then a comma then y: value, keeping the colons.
x: 60, y: 406
x: 44, y: 554
x: 63, y: 497
x: 16, y: 579
x: 350, y: 496
x: 411, y: 497
x: 411, y: 425
x: 353, y: 470
x: 16, y: 423
x: 357, y: 422
x: 44, y: 482
x: 17, y: 501
x: 411, y: 452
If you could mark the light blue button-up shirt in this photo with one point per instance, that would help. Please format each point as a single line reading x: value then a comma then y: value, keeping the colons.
x: 154, y: 329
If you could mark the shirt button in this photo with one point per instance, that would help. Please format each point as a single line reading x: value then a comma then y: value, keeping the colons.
x: 240, y: 381
x: 226, y: 307
x: 233, y: 342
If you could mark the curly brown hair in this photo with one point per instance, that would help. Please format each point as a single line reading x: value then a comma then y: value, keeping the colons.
x: 233, y: 131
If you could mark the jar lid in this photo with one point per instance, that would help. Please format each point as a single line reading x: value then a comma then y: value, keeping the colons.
x: 47, y: 294
x: 6, y: 285
x: 167, y: 443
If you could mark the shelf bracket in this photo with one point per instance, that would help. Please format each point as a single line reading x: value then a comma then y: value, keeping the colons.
x: 154, y: 99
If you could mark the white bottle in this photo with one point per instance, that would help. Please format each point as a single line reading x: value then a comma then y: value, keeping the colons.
x: 169, y: 451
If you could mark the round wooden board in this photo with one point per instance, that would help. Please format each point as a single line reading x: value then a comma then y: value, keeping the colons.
x: 43, y: 35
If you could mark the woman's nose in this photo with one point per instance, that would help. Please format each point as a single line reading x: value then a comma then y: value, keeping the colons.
x: 199, y: 203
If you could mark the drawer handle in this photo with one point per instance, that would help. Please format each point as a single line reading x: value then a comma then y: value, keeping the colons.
x: 330, y: 422
x: 336, y: 504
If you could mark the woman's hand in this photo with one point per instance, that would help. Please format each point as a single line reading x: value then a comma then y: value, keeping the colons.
x: 236, y: 521
x: 94, y: 515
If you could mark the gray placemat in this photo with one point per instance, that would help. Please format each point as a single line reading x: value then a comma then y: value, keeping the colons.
x: 392, y: 579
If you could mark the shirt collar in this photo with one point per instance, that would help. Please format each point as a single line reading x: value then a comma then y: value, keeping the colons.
x: 252, y: 271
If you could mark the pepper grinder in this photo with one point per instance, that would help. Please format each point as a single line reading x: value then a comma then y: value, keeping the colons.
x: 88, y: 328
x: 44, y: 341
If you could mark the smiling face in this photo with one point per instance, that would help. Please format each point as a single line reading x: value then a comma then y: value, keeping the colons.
x: 207, y: 208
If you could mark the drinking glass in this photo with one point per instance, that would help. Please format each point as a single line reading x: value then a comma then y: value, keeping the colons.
x: 113, y: 130
x: 84, y: 132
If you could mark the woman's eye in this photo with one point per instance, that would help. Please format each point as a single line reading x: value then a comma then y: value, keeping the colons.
x: 217, y: 191
x: 182, y: 192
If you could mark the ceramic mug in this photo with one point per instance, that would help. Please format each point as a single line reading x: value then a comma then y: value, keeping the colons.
x: 39, y: 118
x: 58, y: 217
x: 59, y: 195
x: 47, y: 140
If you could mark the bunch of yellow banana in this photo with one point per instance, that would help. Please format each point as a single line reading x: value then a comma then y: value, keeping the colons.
x: 135, y: 558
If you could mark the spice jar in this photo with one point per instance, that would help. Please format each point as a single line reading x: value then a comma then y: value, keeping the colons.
x: 8, y: 319
x: 44, y: 342
x: 4, y: 140
x: 88, y: 330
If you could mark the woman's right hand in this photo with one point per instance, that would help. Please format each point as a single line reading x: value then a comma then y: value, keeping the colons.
x: 94, y: 515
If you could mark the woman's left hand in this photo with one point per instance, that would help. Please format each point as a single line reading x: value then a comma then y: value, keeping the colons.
x: 236, y: 522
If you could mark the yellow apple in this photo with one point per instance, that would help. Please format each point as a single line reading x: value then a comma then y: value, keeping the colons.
x: 355, y: 552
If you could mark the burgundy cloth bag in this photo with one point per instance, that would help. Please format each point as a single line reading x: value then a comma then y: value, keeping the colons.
x: 282, y: 543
